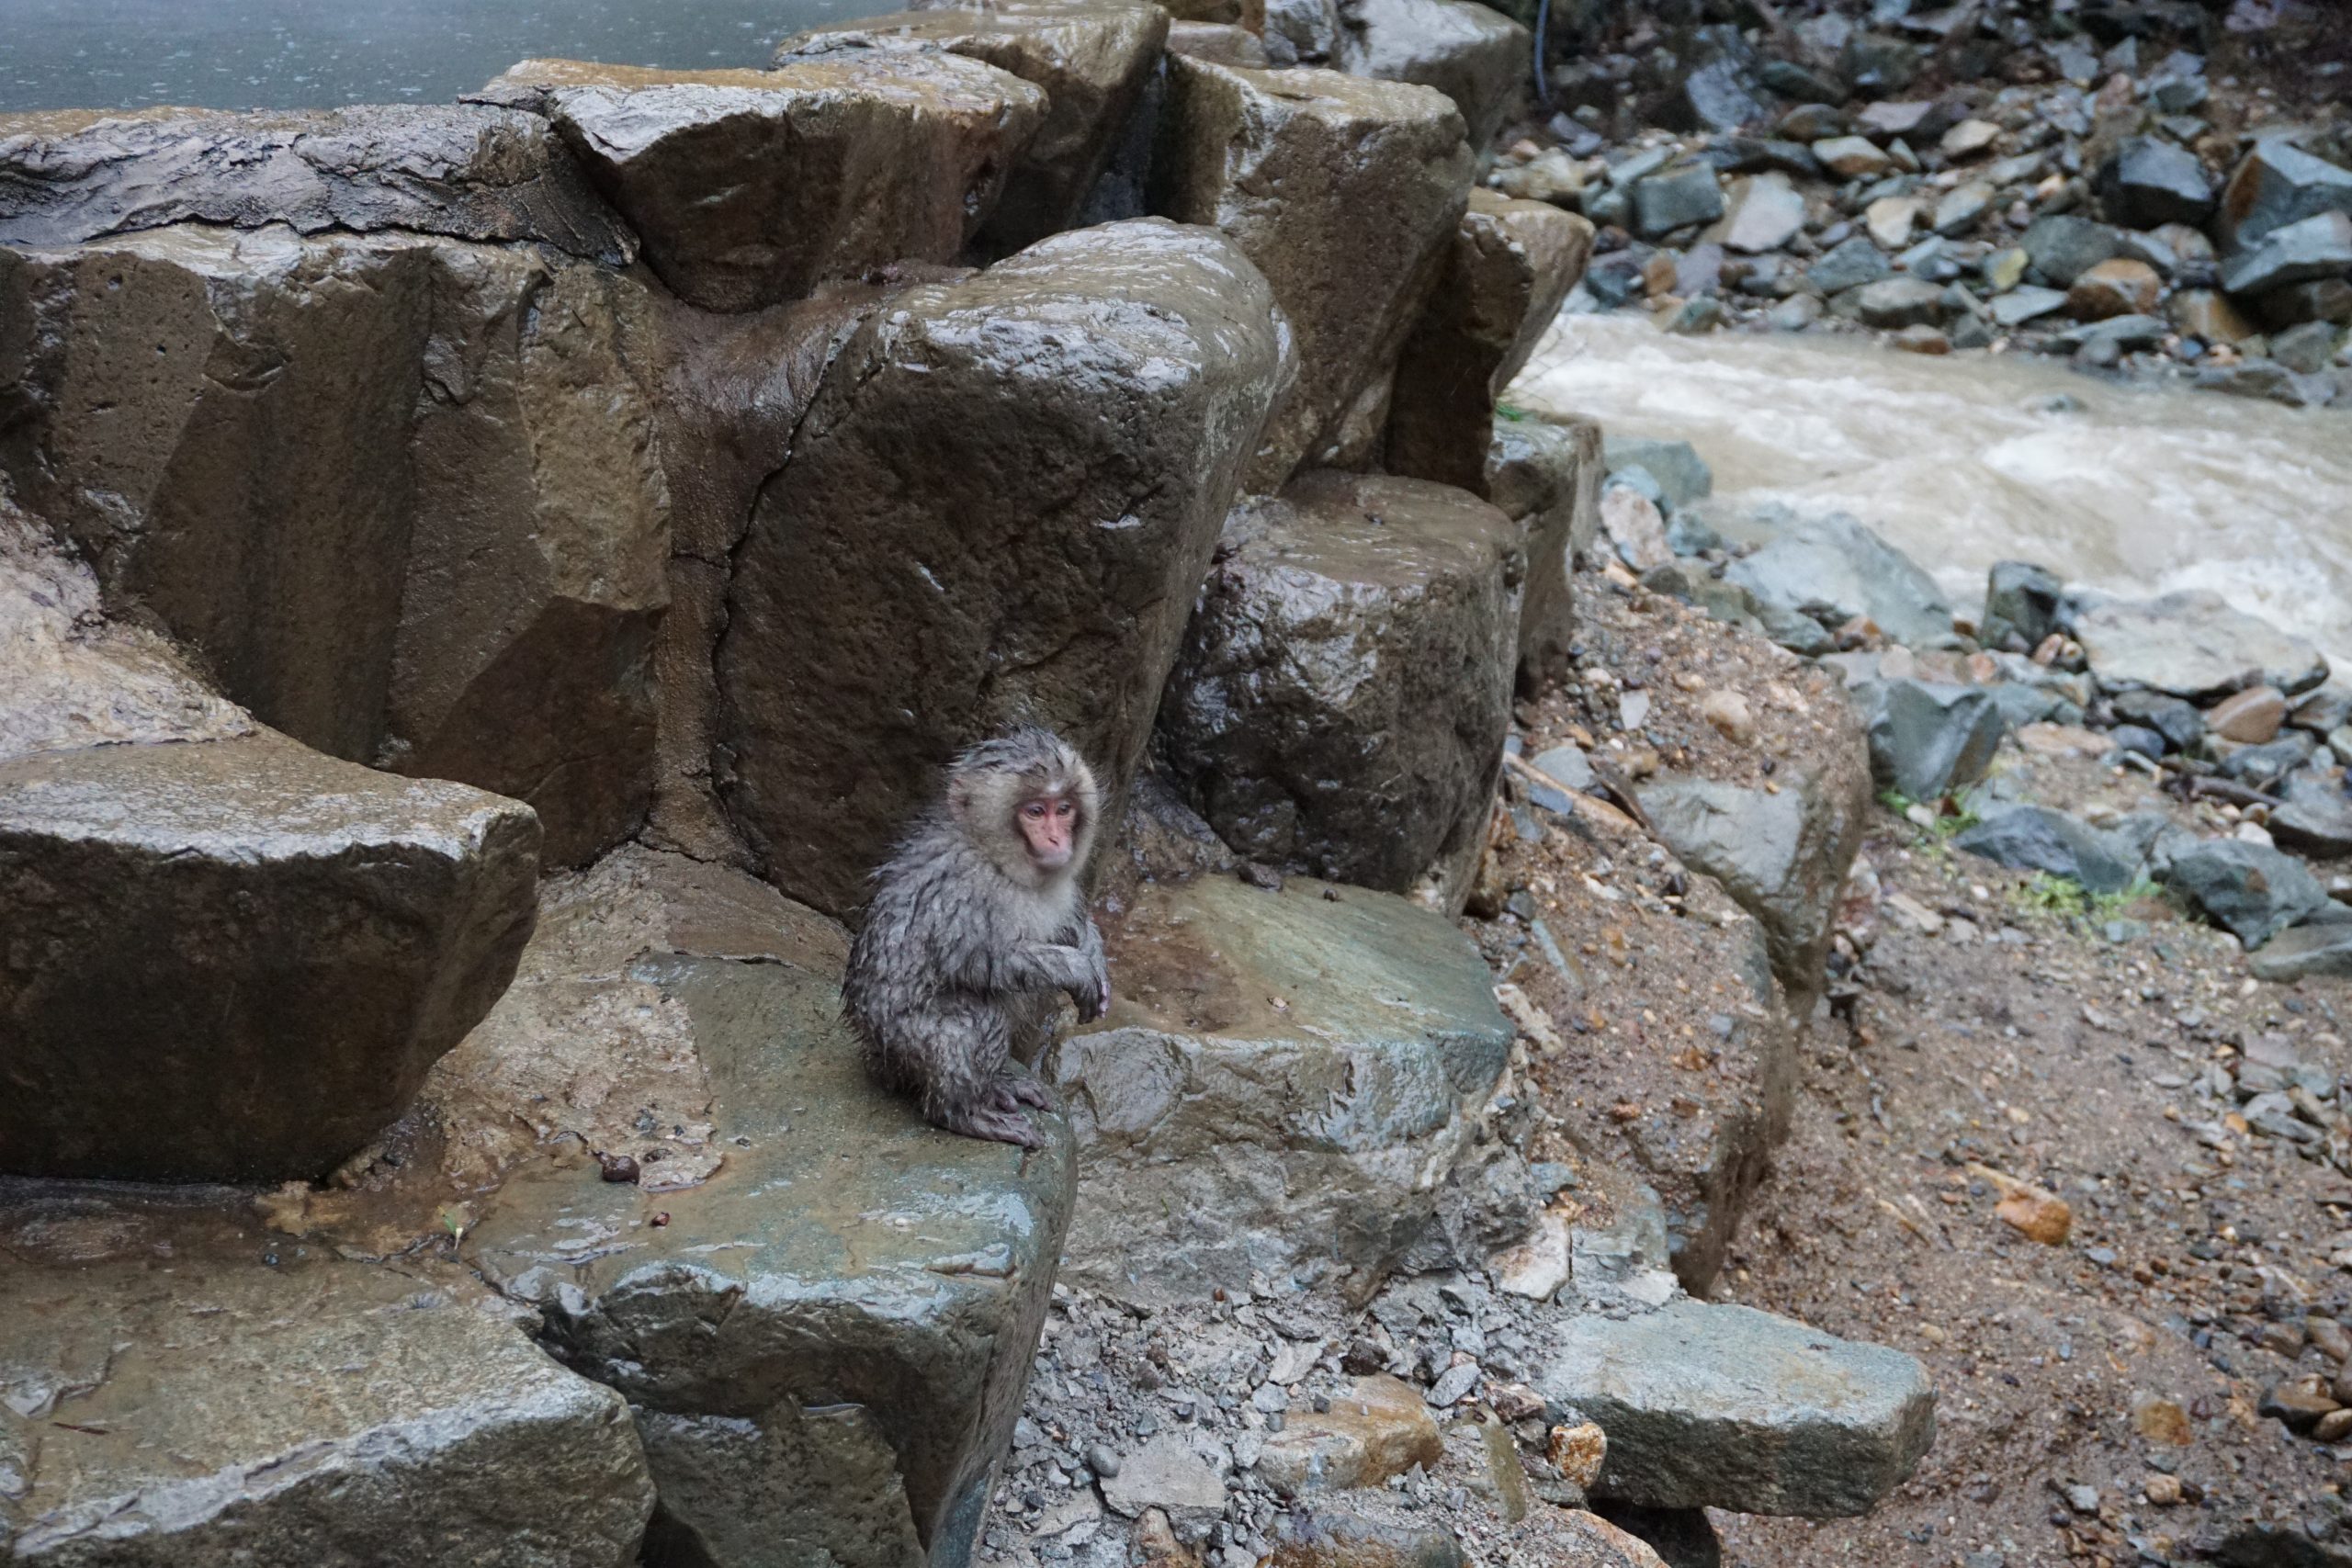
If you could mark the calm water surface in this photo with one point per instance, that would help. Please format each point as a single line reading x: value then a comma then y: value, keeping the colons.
x: 314, y: 53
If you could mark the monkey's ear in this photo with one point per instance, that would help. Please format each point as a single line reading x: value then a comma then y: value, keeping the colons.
x: 959, y: 799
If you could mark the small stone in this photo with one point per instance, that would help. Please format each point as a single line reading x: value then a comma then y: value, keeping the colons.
x: 1454, y: 1383
x: 2083, y: 1499
x: 2022, y: 305
x: 1376, y: 1426
x: 2118, y: 286
x: 1968, y: 137
x: 2253, y: 716
x: 1728, y: 712
x: 1665, y: 202
x: 1896, y: 302
x: 2332, y: 1428
x: 1849, y: 264
x: 1169, y: 1475
x: 2037, y: 1215
x: 1102, y: 1461
x: 2152, y: 181
x: 1921, y: 339
x: 1578, y: 1452
x: 1891, y: 219
x: 2161, y: 1421
x: 1537, y: 1267
x: 1852, y: 156
x: 1765, y: 214
x: 1634, y: 527
x: 2298, y: 1405
x: 1962, y: 206
x: 2161, y: 1490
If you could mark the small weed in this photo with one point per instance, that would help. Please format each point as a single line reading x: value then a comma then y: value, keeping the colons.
x: 1505, y: 411
x: 2057, y: 896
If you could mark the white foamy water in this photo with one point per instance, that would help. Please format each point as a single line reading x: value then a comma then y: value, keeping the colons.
x: 1959, y: 462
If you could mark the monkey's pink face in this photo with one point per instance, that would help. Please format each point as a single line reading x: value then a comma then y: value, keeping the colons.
x: 1048, y: 825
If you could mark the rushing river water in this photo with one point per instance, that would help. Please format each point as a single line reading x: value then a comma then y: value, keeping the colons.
x: 320, y: 53
x: 1963, y: 461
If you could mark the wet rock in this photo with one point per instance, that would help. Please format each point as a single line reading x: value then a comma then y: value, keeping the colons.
x: 1634, y: 527
x: 2151, y: 181
x: 190, y: 923
x: 463, y: 171
x: 2304, y: 953
x: 1551, y: 175
x: 2022, y: 305
x: 1282, y: 1081
x: 2064, y: 247
x: 747, y: 187
x: 2035, y: 838
x: 1302, y: 32
x: 1896, y: 303
x: 1681, y: 474
x: 2315, y: 248
x: 1676, y: 199
x: 1510, y: 265
x: 1834, y: 569
x: 1377, y: 1427
x: 1784, y: 857
x: 2252, y: 890
x: 1960, y: 208
x: 2191, y: 643
x: 1369, y: 180
x: 2278, y: 183
x: 2249, y: 717
x: 884, y: 611
x: 1928, y: 738
x: 1472, y: 54
x: 2307, y: 349
x: 1339, y: 703
x: 1221, y: 43
x: 1323, y: 1538
x: 839, y: 1374
x: 1891, y: 219
x: 2020, y: 602
x: 428, y: 1428
x: 1091, y: 61
x: 2317, y: 817
x: 1544, y: 475
x: 1850, y: 264
x: 2321, y: 299
x: 1709, y: 1405
x: 2179, y: 723
x: 1765, y: 212
x: 2119, y: 287
x: 2201, y: 313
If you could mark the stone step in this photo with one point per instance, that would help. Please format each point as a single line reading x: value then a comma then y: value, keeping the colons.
x: 177, y: 1387
x: 1282, y: 1086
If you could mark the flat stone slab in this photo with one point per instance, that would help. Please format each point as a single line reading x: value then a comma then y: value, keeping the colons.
x: 2304, y: 952
x: 1720, y: 1406
x: 824, y: 1337
x: 236, y: 960
x: 170, y: 1396
x: 464, y: 171
x: 1281, y: 1084
x: 2193, y: 643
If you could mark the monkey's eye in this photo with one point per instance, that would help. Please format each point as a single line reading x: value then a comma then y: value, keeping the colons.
x: 1036, y: 810
x: 1064, y: 808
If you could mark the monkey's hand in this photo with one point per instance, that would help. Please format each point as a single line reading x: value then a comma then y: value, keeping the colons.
x: 1092, y: 997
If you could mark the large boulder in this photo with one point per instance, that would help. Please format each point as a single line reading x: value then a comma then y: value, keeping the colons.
x: 1543, y: 472
x: 1836, y: 570
x: 2252, y: 890
x: 961, y: 539
x: 1511, y: 266
x: 2313, y: 250
x: 2152, y: 181
x: 235, y: 960
x: 1345, y: 192
x: 400, y: 494
x: 147, y: 1415
x: 466, y: 171
x: 2036, y: 838
x: 2191, y: 643
x: 1282, y: 1085
x: 1472, y: 53
x: 1929, y: 738
x: 823, y: 1323
x: 1711, y: 1405
x: 748, y: 187
x: 1345, y: 689
x: 2278, y: 184
x: 1091, y: 60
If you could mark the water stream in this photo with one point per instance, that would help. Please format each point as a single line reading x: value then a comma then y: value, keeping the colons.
x: 322, y: 53
x: 1963, y: 461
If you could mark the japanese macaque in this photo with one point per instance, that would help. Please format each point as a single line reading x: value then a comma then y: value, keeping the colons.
x: 976, y: 931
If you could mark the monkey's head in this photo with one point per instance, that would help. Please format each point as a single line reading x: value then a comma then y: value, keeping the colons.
x: 1028, y: 800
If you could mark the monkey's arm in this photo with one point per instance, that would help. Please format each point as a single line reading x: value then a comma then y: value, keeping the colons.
x: 1022, y: 967
x: 1095, y: 1001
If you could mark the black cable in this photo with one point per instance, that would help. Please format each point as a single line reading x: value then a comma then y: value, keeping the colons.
x: 1543, y: 18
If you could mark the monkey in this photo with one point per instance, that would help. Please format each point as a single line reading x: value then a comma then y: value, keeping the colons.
x: 977, y: 924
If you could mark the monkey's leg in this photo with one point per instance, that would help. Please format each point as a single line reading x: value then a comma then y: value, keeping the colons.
x: 964, y: 1051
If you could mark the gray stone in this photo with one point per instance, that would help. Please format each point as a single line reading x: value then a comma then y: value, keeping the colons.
x: 1711, y: 1405
x: 2035, y: 838
x: 2022, y: 305
x: 2309, y: 348
x: 1766, y: 212
x: 1340, y: 701
x: 749, y: 188
x: 1849, y: 264
x: 1782, y: 857
x: 1874, y: 64
x: 1091, y: 61
x: 2315, y: 248
x: 2191, y: 643
x: 1301, y: 32
x: 1170, y: 1473
x: 2252, y: 891
x: 1962, y: 206
x: 2304, y: 953
x: 1665, y: 202
x: 236, y: 960
x: 463, y: 171
x: 1346, y: 193
x: 216, y: 1412
x: 2151, y: 181
x: 1543, y: 472
x: 1281, y: 1082
x: 2117, y: 335
x: 2064, y: 247
x: 1928, y: 739
x: 2179, y: 723
x: 2264, y: 765
x: 2275, y: 185
x: 1682, y: 476
x: 1834, y: 569
x: 1896, y: 302
x: 2316, y: 819
x: 1722, y: 96
x: 1472, y: 53
x: 874, y: 568
x: 2020, y: 599
x: 1568, y: 764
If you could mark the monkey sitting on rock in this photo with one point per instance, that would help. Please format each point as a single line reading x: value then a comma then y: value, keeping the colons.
x: 976, y: 928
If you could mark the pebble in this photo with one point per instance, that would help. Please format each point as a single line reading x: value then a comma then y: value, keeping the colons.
x: 2251, y: 717
x: 1455, y: 1383
x: 1102, y: 1461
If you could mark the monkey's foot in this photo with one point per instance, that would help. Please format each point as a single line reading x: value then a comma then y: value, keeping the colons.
x: 1013, y: 1090
x: 996, y: 1123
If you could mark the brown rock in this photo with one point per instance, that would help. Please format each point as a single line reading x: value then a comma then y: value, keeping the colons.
x: 2251, y: 716
x: 1377, y: 1427
x: 2164, y: 1490
x: 1322, y: 1539
x: 1345, y: 192
x: 2161, y: 1421
x: 1220, y: 44
x: 2208, y: 314
x: 1091, y: 61
x: 1511, y: 266
x: 2299, y: 1404
x: 1920, y: 338
x: 1544, y: 471
x: 2038, y: 1214
x: 236, y: 960
x: 961, y: 539
x: 1578, y: 1452
x: 2329, y: 1335
x: 748, y: 187
x: 2332, y: 1428
x: 1728, y: 713
x: 2122, y: 286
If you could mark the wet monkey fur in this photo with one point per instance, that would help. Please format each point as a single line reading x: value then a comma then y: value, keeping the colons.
x: 976, y: 931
